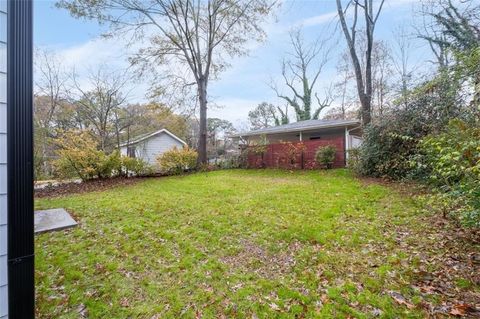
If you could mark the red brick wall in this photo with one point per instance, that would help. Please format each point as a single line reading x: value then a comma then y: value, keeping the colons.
x: 275, y: 155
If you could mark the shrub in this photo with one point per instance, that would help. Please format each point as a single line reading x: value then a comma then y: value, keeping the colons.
x: 390, y: 142
x: 291, y: 153
x: 452, y: 160
x: 110, y: 165
x: 325, y: 155
x: 454, y: 155
x: 78, y: 155
x: 176, y: 161
x: 135, y: 166
x: 231, y: 162
x: 243, y: 158
x: 257, y: 149
x: 353, y: 159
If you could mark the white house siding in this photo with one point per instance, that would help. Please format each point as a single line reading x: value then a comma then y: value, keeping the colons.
x: 151, y: 148
x: 3, y: 161
x: 355, y: 141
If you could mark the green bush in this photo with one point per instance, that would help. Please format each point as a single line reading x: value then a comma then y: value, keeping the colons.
x: 452, y: 156
x: 135, y: 166
x: 390, y: 142
x: 353, y: 159
x: 176, y: 161
x: 325, y: 156
x: 110, y: 166
x: 78, y: 155
x: 232, y: 162
x: 452, y: 160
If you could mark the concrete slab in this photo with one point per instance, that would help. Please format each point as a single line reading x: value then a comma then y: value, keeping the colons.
x: 53, y: 219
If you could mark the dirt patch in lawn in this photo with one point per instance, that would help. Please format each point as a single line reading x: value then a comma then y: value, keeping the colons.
x: 255, y: 258
x: 409, y: 188
x: 84, y: 187
x: 274, y: 180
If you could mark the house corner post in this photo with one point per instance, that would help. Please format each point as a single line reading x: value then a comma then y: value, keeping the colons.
x: 20, y: 243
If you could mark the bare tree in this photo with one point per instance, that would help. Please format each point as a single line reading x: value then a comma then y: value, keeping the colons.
x: 402, y: 64
x: 345, y: 72
x: 381, y: 72
x: 50, y: 86
x: 266, y: 115
x: 458, y: 24
x: 281, y: 118
x: 300, y: 79
x: 50, y: 96
x: 363, y: 77
x: 262, y: 116
x: 192, y: 33
x: 428, y: 30
x: 98, y: 102
x: 218, y: 136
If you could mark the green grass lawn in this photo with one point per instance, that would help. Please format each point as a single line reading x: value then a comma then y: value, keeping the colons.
x: 239, y: 243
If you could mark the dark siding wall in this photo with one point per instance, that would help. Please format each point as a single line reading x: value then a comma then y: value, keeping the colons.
x: 3, y: 164
x: 20, y: 160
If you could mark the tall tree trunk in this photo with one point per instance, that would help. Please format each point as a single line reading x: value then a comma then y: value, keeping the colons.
x: 367, y: 104
x: 202, y: 141
x: 117, y: 131
x: 476, y: 94
x: 364, y: 86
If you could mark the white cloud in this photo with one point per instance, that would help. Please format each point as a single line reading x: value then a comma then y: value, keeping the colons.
x: 318, y: 20
x: 99, y: 53
x: 234, y: 110
x: 331, y: 16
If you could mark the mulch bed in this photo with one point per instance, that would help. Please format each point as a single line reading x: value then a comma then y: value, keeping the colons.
x: 85, y: 187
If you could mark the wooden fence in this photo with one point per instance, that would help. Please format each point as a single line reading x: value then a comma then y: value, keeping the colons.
x: 295, y: 155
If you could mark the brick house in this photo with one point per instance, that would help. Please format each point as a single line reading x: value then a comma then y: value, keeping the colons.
x: 306, y: 136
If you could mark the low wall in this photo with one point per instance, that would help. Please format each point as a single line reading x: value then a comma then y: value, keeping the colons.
x: 276, y: 155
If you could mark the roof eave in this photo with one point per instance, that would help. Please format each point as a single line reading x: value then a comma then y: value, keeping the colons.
x: 307, y: 128
x: 152, y: 135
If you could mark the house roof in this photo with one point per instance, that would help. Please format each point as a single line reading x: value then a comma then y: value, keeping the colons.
x: 139, y: 139
x: 300, y: 126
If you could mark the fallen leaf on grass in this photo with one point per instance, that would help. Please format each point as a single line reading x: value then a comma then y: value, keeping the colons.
x: 82, y: 311
x: 428, y: 289
x: 124, y: 302
x: 274, y: 306
x: 376, y: 312
x: 400, y: 299
x: 464, y: 309
x: 324, y: 298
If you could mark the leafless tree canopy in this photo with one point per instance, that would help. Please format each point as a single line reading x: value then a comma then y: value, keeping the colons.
x: 363, y: 78
x: 50, y: 83
x: 301, y: 71
x: 99, y: 101
x: 191, y: 33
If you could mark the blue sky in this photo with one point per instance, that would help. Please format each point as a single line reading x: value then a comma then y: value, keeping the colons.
x: 245, y: 84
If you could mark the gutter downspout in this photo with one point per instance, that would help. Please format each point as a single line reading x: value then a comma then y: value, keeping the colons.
x: 347, y: 140
x: 346, y: 145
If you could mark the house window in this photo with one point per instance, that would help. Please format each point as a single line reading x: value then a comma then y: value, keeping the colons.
x: 315, y: 137
x: 131, y: 151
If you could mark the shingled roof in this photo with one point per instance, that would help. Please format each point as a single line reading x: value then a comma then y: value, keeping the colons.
x: 300, y: 126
